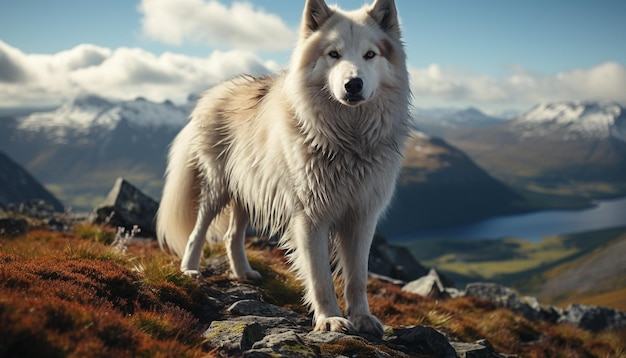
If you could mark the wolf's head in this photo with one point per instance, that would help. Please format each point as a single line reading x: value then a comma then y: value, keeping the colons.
x: 352, y: 56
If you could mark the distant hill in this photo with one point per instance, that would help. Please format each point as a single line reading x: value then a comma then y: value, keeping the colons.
x: 18, y: 186
x: 439, y: 122
x: 574, y: 148
x: 439, y: 185
x: 597, y: 277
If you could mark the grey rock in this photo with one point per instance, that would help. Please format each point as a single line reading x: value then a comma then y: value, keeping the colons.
x: 394, y: 261
x: 39, y: 209
x: 430, y: 285
x: 287, y: 344
x: 325, y: 337
x: 13, y: 227
x: 257, y: 308
x: 387, y: 279
x: 479, y: 349
x: 426, y: 341
x: 593, y: 318
x: 126, y: 206
x: 508, y: 298
x: 233, y: 336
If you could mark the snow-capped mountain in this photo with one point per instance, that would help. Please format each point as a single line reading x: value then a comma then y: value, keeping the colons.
x: 572, y: 121
x: 91, y: 114
x: 81, y: 147
x: 578, y: 145
x: 441, y: 121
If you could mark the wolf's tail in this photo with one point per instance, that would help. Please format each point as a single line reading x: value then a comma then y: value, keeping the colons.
x: 179, y: 203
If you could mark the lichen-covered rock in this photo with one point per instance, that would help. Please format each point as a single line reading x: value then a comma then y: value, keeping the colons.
x: 233, y: 336
x: 286, y: 344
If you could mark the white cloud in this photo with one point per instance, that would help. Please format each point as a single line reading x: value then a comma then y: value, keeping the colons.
x: 211, y: 23
x: 123, y: 73
x: 127, y: 73
x: 436, y: 85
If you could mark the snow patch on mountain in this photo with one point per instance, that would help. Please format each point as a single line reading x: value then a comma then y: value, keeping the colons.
x: 572, y: 121
x: 87, y: 114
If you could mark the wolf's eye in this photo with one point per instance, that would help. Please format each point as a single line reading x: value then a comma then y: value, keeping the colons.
x: 369, y: 55
x: 334, y: 54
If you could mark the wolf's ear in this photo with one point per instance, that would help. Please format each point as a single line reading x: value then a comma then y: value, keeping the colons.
x: 316, y: 12
x: 386, y: 15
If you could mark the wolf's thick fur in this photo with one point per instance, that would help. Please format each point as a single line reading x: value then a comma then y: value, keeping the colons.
x: 312, y: 154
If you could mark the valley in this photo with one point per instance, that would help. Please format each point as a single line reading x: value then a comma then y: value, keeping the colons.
x: 561, y: 269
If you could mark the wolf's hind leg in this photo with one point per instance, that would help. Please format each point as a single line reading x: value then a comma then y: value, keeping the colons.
x: 207, y: 210
x: 234, y: 240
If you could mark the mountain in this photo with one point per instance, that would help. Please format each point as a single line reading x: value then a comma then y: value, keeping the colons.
x: 571, y: 121
x: 18, y: 186
x: 440, y: 185
x: 571, y: 148
x: 80, y: 148
x: 438, y: 122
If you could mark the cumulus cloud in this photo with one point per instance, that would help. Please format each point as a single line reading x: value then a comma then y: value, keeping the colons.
x: 11, y: 70
x: 211, y: 23
x: 127, y: 73
x: 123, y: 73
x: 438, y: 84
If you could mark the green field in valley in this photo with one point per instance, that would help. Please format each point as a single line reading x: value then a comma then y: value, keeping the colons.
x: 541, y: 268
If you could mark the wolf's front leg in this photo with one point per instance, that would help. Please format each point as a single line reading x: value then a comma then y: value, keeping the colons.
x: 354, y: 243
x: 312, y: 263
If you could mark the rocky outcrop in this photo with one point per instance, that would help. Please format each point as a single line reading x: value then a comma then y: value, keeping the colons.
x: 394, y: 261
x: 593, y: 318
x: 13, y: 226
x: 126, y: 206
x: 258, y: 329
x: 506, y: 297
x: 433, y: 285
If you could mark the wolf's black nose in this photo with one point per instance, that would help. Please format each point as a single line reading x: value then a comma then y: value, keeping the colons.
x: 354, y: 86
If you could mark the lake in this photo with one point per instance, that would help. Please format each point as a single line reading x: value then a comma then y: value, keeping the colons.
x: 534, y: 226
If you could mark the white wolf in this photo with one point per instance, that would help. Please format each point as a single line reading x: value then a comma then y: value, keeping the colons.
x: 312, y: 154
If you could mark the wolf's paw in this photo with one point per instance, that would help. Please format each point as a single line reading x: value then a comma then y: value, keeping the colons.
x: 251, y: 276
x: 335, y: 324
x: 193, y: 274
x: 367, y: 323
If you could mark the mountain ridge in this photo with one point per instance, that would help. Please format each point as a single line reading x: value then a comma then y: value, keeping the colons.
x: 572, y: 120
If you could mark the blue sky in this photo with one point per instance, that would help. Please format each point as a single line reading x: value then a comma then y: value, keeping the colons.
x: 495, y: 55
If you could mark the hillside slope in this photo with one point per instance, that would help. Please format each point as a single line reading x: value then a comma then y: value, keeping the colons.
x: 18, y: 186
x: 73, y: 294
x: 597, y: 278
x: 440, y: 185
